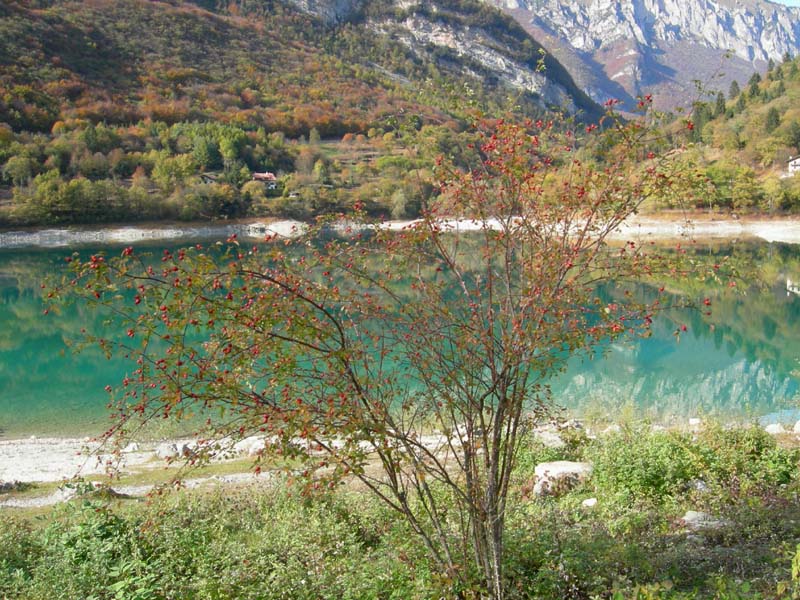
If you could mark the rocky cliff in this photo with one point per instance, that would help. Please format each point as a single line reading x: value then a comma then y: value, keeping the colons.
x: 469, y: 38
x: 623, y: 49
x: 330, y: 11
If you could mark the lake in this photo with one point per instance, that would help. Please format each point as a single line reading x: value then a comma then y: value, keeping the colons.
x: 742, y: 363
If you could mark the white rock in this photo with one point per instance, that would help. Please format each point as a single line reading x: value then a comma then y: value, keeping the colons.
x: 249, y: 446
x: 167, y: 451
x: 775, y: 429
x: 695, y: 422
x: 613, y: 428
x: 132, y: 447
x: 65, y: 493
x: 589, y: 503
x: 549, y: 439
x: 696, y: 520
x: 559, y: 476
x: 796, y: 427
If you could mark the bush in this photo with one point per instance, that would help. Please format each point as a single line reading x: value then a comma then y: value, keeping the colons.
x: 656, y: 465
x: 645, y: 465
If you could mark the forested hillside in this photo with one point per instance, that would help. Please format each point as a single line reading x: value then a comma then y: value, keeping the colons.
x: 128, y: 109
x: 744, y: 139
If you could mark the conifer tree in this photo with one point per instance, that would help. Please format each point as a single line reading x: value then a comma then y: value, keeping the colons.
x: 734, y: 90
x: 773, y: 120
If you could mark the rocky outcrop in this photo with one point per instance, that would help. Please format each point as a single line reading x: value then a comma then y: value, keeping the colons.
x: 465, y: 38
x: 420, y: 34
x: 330, y: 11
x: 558, y: 477
x: 635, y: 46
x: 753, y: 30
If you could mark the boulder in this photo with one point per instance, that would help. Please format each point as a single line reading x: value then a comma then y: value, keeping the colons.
x: 696, y: 521
x: 775, y: 429
x: 132, y: 447
x: 167, y: 451
x: 549, y: 439
x: 796, y: 427
x: 589, y: 503
x: 553, y: 478
x: 249, y: 446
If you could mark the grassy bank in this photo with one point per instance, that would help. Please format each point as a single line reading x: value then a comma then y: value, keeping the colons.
x: 243, y: 542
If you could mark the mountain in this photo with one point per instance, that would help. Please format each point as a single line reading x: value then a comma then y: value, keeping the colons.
x: 629, y: 48
x: 337, y: 65
x: 466, y: 38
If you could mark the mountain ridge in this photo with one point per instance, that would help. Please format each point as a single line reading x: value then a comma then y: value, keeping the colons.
x: 624, y: 49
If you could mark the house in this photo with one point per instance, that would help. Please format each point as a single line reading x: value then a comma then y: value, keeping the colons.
x: 267, y: 178
x: 793, y: 165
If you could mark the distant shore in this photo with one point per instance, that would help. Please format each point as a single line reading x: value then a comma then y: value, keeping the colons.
x: 657, y: 226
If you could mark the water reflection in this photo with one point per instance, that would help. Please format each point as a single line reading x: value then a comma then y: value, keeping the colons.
x: 742, y: 360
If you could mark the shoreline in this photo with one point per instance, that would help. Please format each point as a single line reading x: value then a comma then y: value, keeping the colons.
x: 656, y: 227
x: 59, y: 459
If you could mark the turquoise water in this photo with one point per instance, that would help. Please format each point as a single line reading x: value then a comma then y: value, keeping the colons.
x: 745, y: 365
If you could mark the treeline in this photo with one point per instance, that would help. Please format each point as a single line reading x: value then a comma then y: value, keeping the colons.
x: 86, y: 172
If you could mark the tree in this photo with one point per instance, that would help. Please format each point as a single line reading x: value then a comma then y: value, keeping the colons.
x: 746, y: 193
x: 19, y: 170
x: 753, y: 85
x: 413, y: 361
x: 719, y: 106
x: 772, y: 121
x: 734, y: 90
x: 793, y: 135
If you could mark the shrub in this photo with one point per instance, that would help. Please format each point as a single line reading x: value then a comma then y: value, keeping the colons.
x: 646, y: 465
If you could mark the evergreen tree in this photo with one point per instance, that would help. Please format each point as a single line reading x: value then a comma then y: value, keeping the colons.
x: 740, y: 103
x: 770, y: 65
x: 793, y: 135
x: 719, y: 107
x: 734, y: 90
x: 701, y: 115
x: 773, y: 120
x: 753, y: 90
